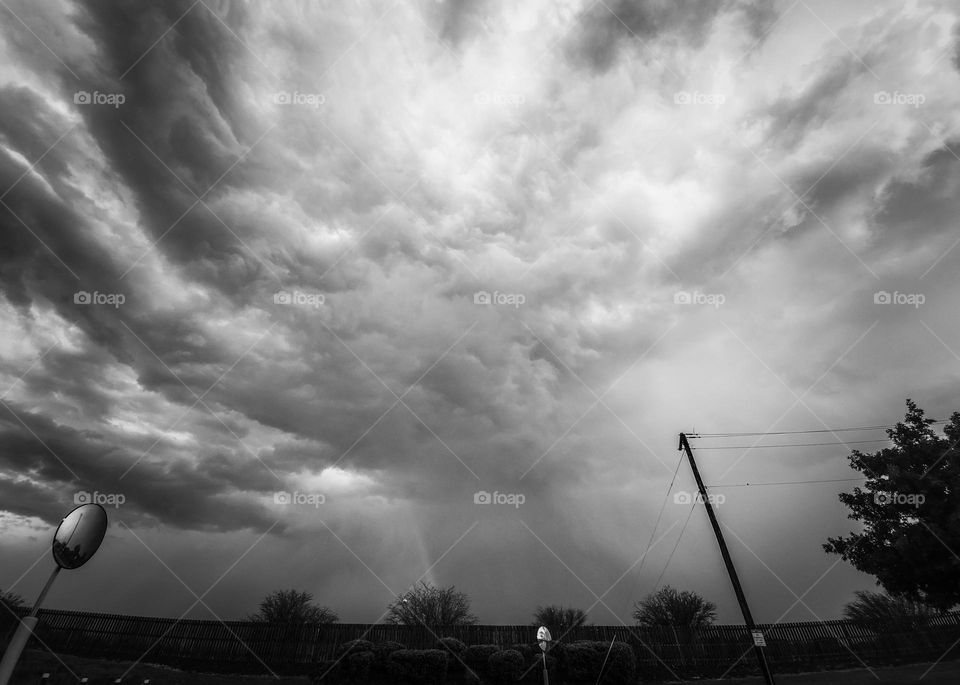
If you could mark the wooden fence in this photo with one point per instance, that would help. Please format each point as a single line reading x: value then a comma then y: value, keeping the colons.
x: 663, y: 653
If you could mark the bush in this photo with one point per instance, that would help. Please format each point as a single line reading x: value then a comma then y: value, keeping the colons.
x: 357, y: 667
x: 327, y: 673
x: 355, y: 646
x: 418, y: 666
x: 584, y: 659
x: 383, y: 650
x: 476, y: 657
x: 621, y: 667
x: 532, y: 661
x: 505, y: 666
x: 528, y: 650
x: 454, y: 650
x: 533, y: 667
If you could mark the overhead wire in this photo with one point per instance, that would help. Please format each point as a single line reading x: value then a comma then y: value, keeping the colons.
x: 673, y: 551
x: 785, y: 482
x: 663, y: 505
x: 800, y: 432
x: 799, y: 444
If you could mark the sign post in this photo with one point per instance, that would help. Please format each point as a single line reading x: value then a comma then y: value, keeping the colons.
x: 543, y: 639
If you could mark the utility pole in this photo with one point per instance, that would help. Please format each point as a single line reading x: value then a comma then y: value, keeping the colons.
x: 758, y: 642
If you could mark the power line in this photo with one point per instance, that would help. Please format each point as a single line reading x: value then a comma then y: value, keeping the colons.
x: 800, y: 444
x: 800, y: 432
x: 785, y: 482
x: 657, y: 584
x: 663, y: 505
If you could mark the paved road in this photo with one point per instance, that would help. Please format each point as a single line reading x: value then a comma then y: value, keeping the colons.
x: 944, y: 673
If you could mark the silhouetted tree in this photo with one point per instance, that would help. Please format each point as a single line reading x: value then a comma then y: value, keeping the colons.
x: 559, y: 619
x: 669, y: 607
x: 292, y: 606
x: 909, y: 506
x: 432, y: 606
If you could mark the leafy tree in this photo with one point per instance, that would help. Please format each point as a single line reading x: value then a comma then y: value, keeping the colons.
x: 669, y: 607
x: 881, y: 611
x: 559, y: 619
x: 910, y: 510
x: 291, y: 606
x: 432, y: 606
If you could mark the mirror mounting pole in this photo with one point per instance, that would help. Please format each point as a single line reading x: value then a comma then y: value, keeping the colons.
x: 45, y: 590
x: 23, y: 633
x: 89, y: 523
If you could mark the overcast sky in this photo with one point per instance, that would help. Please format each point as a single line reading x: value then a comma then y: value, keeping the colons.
x: 385, y: 257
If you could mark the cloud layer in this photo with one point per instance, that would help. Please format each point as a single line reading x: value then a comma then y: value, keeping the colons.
x: 248, y: 249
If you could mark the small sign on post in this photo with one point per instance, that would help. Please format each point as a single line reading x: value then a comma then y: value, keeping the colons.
x: 543, y: 639
x: 758, y: 639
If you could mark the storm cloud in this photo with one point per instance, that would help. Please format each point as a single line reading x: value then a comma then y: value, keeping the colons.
x: 377, y: 260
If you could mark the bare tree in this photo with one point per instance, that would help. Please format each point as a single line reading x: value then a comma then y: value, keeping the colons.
x: 559, y: 619
x: 292, y: 606
x: 432, y: 606
x: 669, y: 607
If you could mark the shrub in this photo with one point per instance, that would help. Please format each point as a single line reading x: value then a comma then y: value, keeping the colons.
x: 357, y: 666
x: 476, y: 657
x: 355, y: 646
x: 528, y: 650
x: 418, y: 666
x: 327, y: 673
x: 505, y: 666
x: 383, y: 650
x: 621, y: 667
x: 584, y: 659
x: 454, y: 650
x: 452, y: 644
x: 533, y: 667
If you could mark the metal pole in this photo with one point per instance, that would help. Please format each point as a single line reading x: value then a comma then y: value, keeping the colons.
x: 24, y: 631
x: 728, y: 562
x: 546, y: 678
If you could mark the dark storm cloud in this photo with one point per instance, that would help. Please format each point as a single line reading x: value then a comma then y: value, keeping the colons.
x: 590, y: 197
x: 608, y: 27
x: 956, y: 45
x: 181, y: 103
x: 793, y: 116
x: 914, y: 210
x: 458, y: 19
x: 68, y: 461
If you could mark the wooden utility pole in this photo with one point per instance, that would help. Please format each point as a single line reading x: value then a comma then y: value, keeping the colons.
x: 757, y: 636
